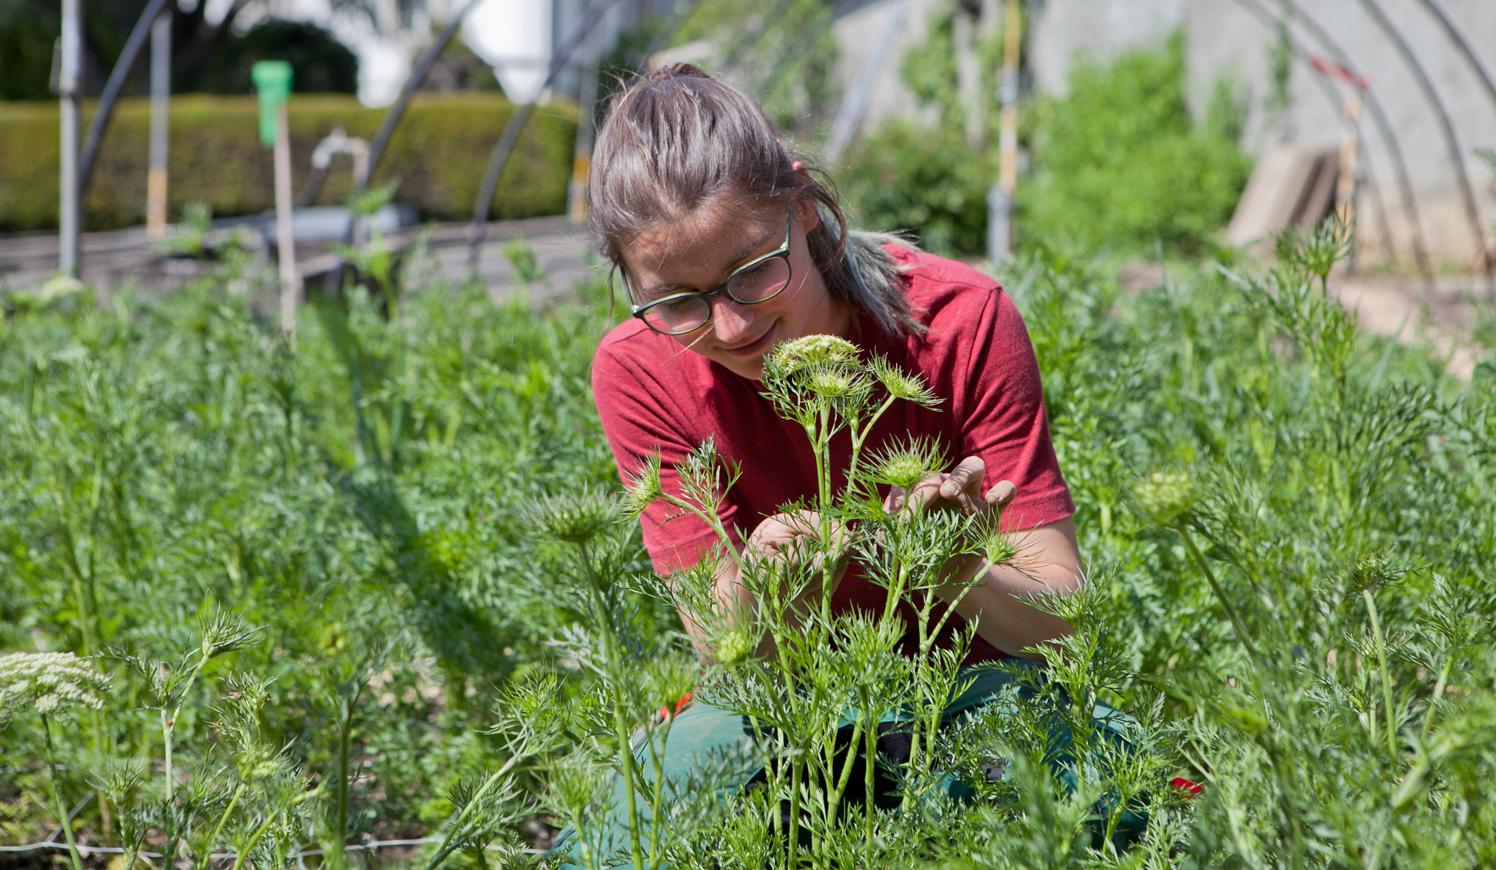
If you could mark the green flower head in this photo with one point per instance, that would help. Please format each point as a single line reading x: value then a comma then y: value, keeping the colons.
x: 811, y: 351
x: 734, y: 646
x: 904, y: 465
x: 831, y: 383
x: 1165, y: 496
x: 577, y: 518
x: 903, y: 385
x: 643, y: 487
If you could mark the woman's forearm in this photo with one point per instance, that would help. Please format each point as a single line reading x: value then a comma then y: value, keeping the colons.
x: 1047, y: 563
x: 1001, y: 616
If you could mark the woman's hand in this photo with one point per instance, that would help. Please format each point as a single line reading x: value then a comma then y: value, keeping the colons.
x: 796, y: 535
x: 958, y: 489
x: 790, y: 536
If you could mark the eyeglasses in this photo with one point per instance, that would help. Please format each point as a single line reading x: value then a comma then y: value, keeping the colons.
x: 757, y: 281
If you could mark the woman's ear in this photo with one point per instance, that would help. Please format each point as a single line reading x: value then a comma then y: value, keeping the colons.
x: 810, y: 216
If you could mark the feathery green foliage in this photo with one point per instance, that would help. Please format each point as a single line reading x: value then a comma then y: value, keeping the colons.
x: 384, y: 584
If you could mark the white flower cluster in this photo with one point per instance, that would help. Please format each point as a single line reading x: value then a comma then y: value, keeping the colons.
x: 48, y: 682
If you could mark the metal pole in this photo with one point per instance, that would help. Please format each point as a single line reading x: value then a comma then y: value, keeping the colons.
x: 1384, y: 127
x: 285, y: 242
x: 1458, y: 39
x: 854, y: 106
x: 1345, y: 184
x: 67, y: 90
x: 155, y: 182
x: 581, y: 154
x: 391, y: 120
x: 127, y: 56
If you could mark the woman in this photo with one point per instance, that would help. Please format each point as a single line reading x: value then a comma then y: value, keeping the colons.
x: 690, y: 183
x: 727, y: 246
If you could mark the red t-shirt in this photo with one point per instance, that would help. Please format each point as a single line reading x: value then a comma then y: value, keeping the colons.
x: 976, y: 355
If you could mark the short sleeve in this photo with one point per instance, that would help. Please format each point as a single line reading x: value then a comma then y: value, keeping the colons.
x: 1003, y: 421
x: 639, y: 417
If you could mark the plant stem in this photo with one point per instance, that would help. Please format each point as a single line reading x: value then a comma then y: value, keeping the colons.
x: 62, y: 808
x: 621, y: 734
x: 1215, y: 585
x: 1436, y: 697
x: 254, y: 840
x: 218, y: 828
x: 1381, y: 646
x: 446, y: 846
x: 793, y: 845
x: 337, y: 856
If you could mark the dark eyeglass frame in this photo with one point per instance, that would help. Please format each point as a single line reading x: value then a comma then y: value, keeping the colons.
x: 781, y: 253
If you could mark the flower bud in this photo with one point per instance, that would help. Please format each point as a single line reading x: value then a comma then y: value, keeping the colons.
x: 1165, y: 496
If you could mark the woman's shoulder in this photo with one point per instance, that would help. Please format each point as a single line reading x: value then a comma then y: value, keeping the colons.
x: 927, y: 271
x: 944, y: 293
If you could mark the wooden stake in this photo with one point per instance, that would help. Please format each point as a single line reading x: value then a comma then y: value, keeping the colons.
x: 285, y: 241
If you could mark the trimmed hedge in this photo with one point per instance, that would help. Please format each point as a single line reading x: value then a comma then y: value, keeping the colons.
x: 438, y: 153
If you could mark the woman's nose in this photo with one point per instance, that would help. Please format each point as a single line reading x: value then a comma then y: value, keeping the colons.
x: 731, y: 321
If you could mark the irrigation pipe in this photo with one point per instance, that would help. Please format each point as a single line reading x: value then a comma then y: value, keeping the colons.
x: 1333, y: 96
x: 504, y: 148
x: 373, y: 846
x: 1446, y: 126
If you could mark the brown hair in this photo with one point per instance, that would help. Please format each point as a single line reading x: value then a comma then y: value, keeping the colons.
x: 677, y: 140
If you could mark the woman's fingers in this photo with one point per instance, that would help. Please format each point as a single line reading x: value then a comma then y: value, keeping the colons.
x: 1000, y: 494
x: 960, y: 486
x: 964, y: 479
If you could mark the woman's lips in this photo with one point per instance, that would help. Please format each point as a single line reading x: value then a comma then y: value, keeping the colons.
x: 757, y: 346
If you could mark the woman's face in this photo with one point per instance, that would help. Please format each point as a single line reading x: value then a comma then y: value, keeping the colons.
x: 699, y: 253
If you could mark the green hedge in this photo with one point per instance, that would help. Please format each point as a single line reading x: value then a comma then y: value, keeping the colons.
x: 438, y: 153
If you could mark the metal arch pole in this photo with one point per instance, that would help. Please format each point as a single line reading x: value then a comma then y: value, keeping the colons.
x: 504, y: 148
x: 576, y: 193
x: 1464, y: 48
x: 1384, y: 128
x: 418, y: 75
x: 391, y: 120
x: 110, y: 94
x: 1472, y: 211
x: 735, y: 57
x: 68, y: 224
x: 854, y: 104
x: 1333, y: 96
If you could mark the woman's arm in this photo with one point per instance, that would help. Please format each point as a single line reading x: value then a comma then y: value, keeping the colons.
x: 1047, y: 563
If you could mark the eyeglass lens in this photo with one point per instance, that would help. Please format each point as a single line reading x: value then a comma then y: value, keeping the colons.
x: 758, y: 284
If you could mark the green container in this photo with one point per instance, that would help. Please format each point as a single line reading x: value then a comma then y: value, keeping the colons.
x: 272, y: 80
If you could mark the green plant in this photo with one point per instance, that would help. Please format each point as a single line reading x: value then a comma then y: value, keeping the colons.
x: 398, y: 504
x: 1119, y: 163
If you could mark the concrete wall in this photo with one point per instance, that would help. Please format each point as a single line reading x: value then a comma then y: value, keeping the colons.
x: 1064, y: 31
